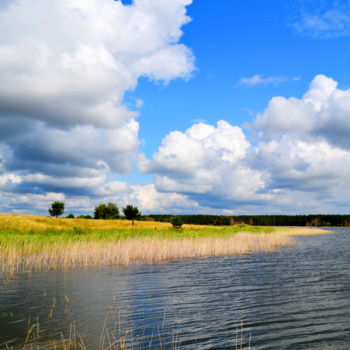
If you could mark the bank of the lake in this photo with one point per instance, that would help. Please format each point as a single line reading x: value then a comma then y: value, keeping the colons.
x: 29, y: 243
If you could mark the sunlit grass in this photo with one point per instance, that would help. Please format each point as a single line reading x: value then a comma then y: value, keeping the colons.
x: 29, y: 243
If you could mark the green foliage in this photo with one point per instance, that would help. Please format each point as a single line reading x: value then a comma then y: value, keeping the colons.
x: 213, y: 220
x: 84, y: 217
x: 106, y: 212
x: 19, y: 239
x: 177, y: 222
x: 70, y: 216
x: 57, y: 209
x: 131, y: 213
x: 259, y: 220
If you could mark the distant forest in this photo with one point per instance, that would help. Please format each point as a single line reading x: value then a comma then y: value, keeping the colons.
x: 259, y: 220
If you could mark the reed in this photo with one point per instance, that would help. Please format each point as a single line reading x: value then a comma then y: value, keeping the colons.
x: 109, y: 335
x: 30, y: 244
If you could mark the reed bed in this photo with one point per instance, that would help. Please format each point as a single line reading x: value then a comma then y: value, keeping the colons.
x: 30, y: 244
x: 59, y: 256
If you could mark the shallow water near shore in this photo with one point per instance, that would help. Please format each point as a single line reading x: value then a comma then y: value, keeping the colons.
x: 294, y: 298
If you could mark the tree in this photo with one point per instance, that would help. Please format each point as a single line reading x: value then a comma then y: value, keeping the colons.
x: 57, y: 209
x: 70, y: 216
x: 131, y: 213
x: 177, y: 222
x: 106, y: 212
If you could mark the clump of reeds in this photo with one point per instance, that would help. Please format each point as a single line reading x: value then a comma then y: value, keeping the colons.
x: 60, y: 255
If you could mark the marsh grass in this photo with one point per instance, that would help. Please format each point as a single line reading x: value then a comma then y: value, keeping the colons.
x: 30, y: 243
x: 111, y: 336
x: 73, y: 340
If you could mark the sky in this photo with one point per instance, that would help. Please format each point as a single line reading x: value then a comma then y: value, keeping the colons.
x: 175, y: 106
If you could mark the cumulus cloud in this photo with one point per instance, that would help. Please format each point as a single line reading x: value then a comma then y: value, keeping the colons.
x: 303, y: 164
x: 304, y: 146
x: 208, y: 164
x: 147, y: 197
x: 323, y: 111
x: 65, y: 66
x: 301, y: 157
x: 66, y: 132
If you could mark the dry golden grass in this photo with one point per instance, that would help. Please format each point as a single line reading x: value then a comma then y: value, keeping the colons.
x: 303, y: 231
x: 26, y: 223
x: 29, y: 243
x: 132, y: 251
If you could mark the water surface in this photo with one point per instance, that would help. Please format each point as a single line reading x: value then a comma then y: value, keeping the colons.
x: 295, y: 298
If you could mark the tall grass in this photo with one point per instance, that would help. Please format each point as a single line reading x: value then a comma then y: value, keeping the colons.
x: 111, y: 334
x: 36, y: 243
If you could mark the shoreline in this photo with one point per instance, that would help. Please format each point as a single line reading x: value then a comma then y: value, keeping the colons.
x: 47, y: 244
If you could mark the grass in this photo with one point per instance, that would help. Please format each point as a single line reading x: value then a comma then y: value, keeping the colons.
x: 73, y: 340
x: 111, y: 334
x: 29, y: 243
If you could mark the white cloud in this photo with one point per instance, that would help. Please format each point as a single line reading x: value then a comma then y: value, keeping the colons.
x: 9, y: 179
x: 301, y: 158
x: 207, y: 164
x: 331, y: 23
x: 304, y: 164
x: 78, y: 70
x: 65, y: 131
x: 146, y: 197
x: 258, y: 79
x: 323, y: 111
x: 65, y: 66
x: 304, y: 146
x: 23, y: 201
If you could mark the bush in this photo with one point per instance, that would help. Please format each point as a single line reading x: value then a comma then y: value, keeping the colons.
x: 84, y: 217
x: 57, y: 209
x: 177, y: 222
x: 106, y: 212
x: 70, y: 216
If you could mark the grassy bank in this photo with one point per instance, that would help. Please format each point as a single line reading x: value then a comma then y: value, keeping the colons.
x: 29, y: 243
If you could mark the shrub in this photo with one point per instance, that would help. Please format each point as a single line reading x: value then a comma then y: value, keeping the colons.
x: 84, y: 217
x: 70, y: 216
x: 177, y: 222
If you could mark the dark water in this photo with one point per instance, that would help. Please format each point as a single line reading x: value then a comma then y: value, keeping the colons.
x: 295, y: 298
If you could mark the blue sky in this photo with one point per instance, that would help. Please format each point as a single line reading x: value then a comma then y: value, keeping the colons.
x: 176, y: 106
x: 236, y: 39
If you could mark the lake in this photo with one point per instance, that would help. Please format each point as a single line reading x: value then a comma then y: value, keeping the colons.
x: 295, y: 298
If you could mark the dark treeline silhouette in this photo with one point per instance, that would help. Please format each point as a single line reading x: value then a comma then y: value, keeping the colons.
x: 259, y: 220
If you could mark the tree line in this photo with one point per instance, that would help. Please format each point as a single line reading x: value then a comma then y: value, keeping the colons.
x: 108, y: 211
x: 258, y: 220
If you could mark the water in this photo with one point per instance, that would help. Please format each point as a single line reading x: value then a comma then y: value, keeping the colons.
x: 295, y: 298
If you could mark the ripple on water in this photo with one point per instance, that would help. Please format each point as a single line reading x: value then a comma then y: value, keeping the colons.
x: 296, y: 298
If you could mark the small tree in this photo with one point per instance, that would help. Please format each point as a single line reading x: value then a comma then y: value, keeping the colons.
x: 107, y: 212
x: 57, y: 209
x: 177, y: 222
x: 131, y: 213
x: 70, y: 216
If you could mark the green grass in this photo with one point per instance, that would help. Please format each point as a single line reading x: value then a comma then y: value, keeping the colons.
x: 77, y: 234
